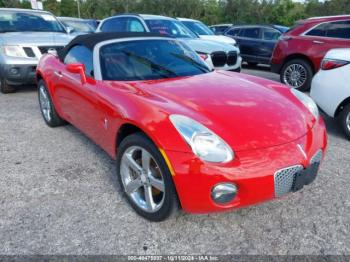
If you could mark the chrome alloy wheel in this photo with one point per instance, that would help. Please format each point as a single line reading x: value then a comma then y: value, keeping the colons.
x: 295, y: 75
x: 142, y: 179
x: 45, y: 103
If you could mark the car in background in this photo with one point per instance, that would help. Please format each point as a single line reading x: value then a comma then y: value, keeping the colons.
x: 181, y: 134
x: 330, y: 87
x: 205, y: 32
x: 220, y: 29
x: 79, y: 26
x: 25, y: 35
x: 216, y: 55
x: 256, y: 42
x: 299, y: 52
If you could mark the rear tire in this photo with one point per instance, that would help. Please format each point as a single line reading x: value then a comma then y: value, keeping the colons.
x: 6, y: 88
x: 345, y: 120
x: 297, y: 73
x: 164, y: 201
x: 47, y: 108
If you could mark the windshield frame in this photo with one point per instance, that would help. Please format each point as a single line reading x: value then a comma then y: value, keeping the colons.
x: 60, y: 26
x: 177, y: 22
x: 201, y: 24
x: 97, y: 58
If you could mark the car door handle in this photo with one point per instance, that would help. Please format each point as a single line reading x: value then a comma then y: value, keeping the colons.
x: 318, y: 42
x: 58, y: 73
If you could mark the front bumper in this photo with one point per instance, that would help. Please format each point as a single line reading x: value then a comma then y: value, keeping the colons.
x: 19, y: 74
x: 252, y: 171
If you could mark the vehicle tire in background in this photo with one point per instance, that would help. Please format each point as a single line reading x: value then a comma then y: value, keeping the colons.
x: 345, y: 120
x: 6, y: 88
x: 297, y: 73
x: 145, y: 178
x: 47, y: 108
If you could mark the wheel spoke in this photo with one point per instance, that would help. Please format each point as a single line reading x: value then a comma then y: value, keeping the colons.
x: 157, y: 183
x: 149, y: 198
x: 132, y: 163
x: 133, y: 185
x: 146, y: 160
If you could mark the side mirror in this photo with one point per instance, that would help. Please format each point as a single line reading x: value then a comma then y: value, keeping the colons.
x: 70, y: 29
x: 76, y: 68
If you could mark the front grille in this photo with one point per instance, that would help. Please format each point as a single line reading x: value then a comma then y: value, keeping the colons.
x: 29, y: 51
x: 219, y: 59
x: 284, y: 179
x: 231, y: 58
x: 45, y: 49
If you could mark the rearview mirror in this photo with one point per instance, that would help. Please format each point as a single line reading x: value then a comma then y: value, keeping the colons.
x: 69, y: 29
x: 77, y: 68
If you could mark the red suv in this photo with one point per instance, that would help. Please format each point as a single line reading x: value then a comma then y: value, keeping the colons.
x: 299, y: 52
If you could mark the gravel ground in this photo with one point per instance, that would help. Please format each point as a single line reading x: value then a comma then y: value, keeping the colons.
x: 58, y: 196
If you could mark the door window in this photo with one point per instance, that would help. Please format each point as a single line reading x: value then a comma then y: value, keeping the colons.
x: 81, y: 54
x: 233, y: 32
x: 340, y: 29
x: 251, y: 32
x: 319, y: 30
x: 270, y: 34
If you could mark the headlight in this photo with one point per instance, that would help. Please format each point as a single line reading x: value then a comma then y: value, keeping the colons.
x: 14, y: 51
x: 204, y: 143
x: 307, y: 101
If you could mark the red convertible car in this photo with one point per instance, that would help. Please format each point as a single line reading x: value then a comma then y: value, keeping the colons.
x: 182, y: 135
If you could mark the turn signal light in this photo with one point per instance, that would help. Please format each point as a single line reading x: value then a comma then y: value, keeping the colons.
x: 332, y: 64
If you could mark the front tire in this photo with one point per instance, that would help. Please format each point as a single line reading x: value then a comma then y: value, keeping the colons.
x: 47, y: 108
x: 6, y: 88
x: 145, y: 178
x: 345, y: 120
x: 297, y: 73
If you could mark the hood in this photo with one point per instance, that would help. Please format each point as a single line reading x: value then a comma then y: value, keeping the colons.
x: 247, y: 112
x: 35, y: 38
x: 219, y: 38
x: 208, y: 46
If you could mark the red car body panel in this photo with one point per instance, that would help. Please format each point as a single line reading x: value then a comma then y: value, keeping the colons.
x: 313, y: 48
x: 260, y: 119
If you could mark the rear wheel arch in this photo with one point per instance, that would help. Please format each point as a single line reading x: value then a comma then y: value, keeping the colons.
x: 298, y: 56
x: 341, y: 106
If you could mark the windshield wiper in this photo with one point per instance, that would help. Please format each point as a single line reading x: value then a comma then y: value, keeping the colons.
x: 203, y: 68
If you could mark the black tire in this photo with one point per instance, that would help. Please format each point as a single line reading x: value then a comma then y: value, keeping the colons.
x: 170, y: 203
x: 54, y: 120
x: 344, y: 117
x: 5, y: 88
x: 308, y: 73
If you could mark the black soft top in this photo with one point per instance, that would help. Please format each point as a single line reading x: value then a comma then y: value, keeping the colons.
x: 91, y: 40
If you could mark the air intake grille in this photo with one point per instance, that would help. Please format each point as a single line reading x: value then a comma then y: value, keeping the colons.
x: 284, y: 179
x: 317, y: 157
x: 29, y: 51
x: 231, y: 58
x: 219, y: 59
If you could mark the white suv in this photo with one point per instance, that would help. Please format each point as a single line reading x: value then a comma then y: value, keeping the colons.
x: 216, y: 55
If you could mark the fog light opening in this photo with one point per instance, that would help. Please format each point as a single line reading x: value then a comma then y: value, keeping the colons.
x: 224, y: 193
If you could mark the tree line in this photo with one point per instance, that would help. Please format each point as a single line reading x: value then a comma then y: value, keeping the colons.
x: 283, y: 12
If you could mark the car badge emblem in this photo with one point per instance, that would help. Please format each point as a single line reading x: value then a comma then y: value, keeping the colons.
x: 302, y: 151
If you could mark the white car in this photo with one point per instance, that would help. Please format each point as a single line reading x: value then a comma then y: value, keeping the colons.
x: 217, y: 55
x: 205, y: 32
x: 330, y: 87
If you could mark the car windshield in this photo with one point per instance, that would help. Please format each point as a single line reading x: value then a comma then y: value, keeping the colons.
x: 198, y: 27
x: 149, y: 60
x: 79, y: 25
x: 169, y: 27
x: 18, y: 21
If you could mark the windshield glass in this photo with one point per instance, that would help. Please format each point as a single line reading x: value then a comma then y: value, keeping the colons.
x: 149, y: 60
x: 79, y: 25
x: 198, y: 27
x: 15, y: 21
x: 169, y: 27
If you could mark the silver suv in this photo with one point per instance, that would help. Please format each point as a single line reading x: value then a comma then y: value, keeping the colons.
x: 25, y: 35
